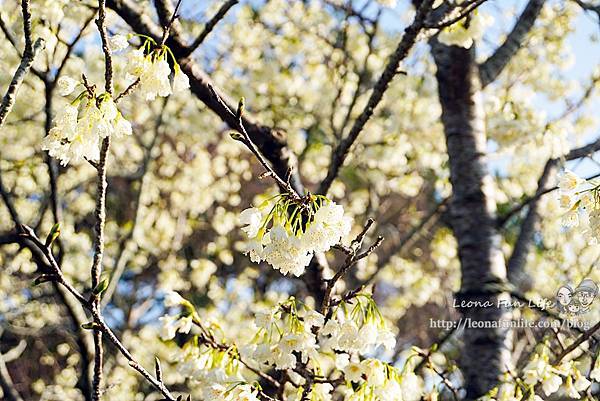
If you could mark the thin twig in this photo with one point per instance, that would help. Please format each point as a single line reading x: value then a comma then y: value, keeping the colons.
x: 29, y: 54
x: 352, y: 257
x: 167, y: 28
x: 246, y: 140
x: 210, y: 25
x: 391, y: 70
x: 99, y: 323
x: 100, y: 211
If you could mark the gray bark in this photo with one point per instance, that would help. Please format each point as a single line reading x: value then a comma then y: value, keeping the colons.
x: 472, y: 210
x: 493, y: 66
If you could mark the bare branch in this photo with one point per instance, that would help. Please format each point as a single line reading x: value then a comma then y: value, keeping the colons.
x: 29, y: 54
x: 391, y: 70
x: 516, y: 262
x: 467, y: 9
x: 99, y: 323
x: 352, y: 257
x: 210, y: 25
x: 100, y: 212
x: 574, y: 154
x: 494, y: 65
x: 580, y: 340
x: 271, y: 142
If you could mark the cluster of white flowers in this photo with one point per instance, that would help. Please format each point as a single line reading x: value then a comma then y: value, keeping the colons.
x: 216, y: 370
x: 149, y: 64
x: 283, y: 331
x: 173, y: 324
x: 293, y: 335
x: 360, y: 329
x: 80, y: 125
x: 379, y: 381
x: 463, y: 33
x: 286, y: 234
x: 580, y: 198
x: 286, y: 331
x: 240, y: 392
x: 206, y: 366
x: 539, y: 370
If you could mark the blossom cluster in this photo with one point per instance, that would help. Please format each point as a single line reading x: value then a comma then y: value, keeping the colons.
x: 80, y: 125
x: 581, y: 199
x: 286, y: 233
x: 173, y: 324
x: 539, y: 370
x: 150, y: 66
x: 356, y: 328
x: 464, y: 33
x: 294, y: 337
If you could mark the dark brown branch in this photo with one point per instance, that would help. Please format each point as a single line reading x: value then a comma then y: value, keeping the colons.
x: 495, y: 64
x: 352, y: 257
x: 406, y: 240
x: 467, y: 9
x: 580, y: 340
x: 391, y: 70
x: 210, y: 25
x: 167, y: 27
x: 247, y: 140
x: 271, y: 142
x: 574, y: 154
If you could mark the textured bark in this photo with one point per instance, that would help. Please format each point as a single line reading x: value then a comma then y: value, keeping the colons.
x: 472, y: 216
x: 493, y: 66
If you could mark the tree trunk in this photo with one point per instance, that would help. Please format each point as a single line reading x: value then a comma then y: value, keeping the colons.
x: 472, y: 210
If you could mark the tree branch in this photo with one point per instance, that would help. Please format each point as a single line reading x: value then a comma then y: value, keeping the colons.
x: 99, y: 324
x: 100, y: 212
x: 210, y: 25
x: 271, y: 142
x: 391, y: 70
x: 574, y: 154
x: 518, y: 258
x: 29, y: 54
x: 495, y: 64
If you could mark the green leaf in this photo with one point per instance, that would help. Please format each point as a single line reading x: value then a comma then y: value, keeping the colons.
x: 101, y: 287
x: 237, y: 136
x: 53, y: 234
x: 44, y: 278
x: 90, y: 326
